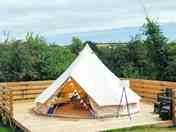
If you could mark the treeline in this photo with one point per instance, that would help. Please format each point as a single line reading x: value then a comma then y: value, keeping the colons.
x: 33, y: 59
x: 146, y: 56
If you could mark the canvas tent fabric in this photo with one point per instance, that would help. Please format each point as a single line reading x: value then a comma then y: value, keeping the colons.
x: 95, y: 79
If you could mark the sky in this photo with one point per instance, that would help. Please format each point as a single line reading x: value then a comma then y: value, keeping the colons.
x: 95, y: 20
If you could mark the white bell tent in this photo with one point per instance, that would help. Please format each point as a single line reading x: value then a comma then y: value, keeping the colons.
x: 101, y: 86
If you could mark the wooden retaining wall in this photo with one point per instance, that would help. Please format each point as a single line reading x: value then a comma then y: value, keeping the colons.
x: 6, y: 102
x: 147, y: 89
x: 174, y: 106
x: 26, y: 90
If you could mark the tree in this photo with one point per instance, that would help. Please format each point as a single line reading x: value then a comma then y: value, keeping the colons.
x: 25, y: 57
x: 156, y: 42
x: 33, y: 59
x: 55, y: 61
x: 76, y: 45
x: 5, y: 55
x: 169, y: 73
x: 138, y: 57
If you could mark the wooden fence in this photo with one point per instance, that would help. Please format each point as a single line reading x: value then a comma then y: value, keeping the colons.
x: 6, y: 102
x: 147, y: 89
x: 174, y: 107
x: 26, y: 90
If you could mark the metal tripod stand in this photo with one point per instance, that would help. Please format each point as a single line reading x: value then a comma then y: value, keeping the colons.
x: 127, y: 104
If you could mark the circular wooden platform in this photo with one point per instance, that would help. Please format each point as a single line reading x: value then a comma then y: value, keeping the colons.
x: 68, y: 111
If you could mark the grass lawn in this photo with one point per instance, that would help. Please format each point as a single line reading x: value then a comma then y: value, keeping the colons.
x: 7, y: 129
x: 3, y: 129
x: 145, y: 129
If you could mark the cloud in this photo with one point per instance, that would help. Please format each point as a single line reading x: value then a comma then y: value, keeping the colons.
x: 68, y: 16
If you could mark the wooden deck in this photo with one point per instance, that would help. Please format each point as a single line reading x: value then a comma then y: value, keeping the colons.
x: 37, y: 123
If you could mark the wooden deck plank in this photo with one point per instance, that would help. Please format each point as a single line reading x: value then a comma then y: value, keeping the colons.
x: 38, y: 123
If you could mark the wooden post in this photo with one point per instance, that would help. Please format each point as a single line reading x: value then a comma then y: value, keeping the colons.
x: 174, y: 106
x: 6, y: 101
x: 11, y: 101
x: 3, y: 97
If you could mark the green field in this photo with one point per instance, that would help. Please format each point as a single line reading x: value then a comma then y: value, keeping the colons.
x: 7, y: 129
x: 145, y: 129
x: 3, y: 129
